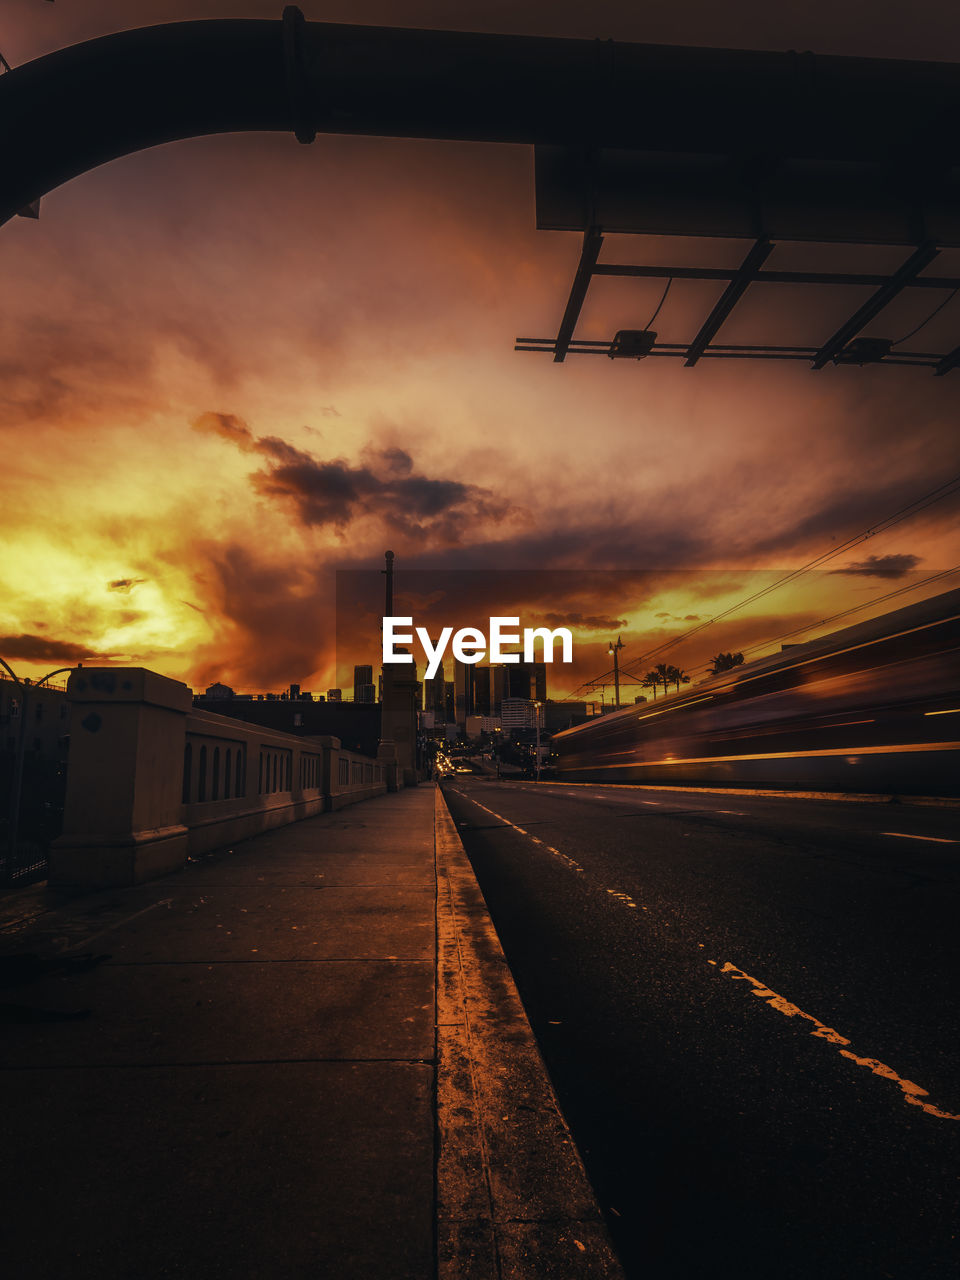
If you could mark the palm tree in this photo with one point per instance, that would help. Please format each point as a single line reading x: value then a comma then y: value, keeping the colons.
x: 663, y: 675
x: 651, y: 681
x: 678, y: 677
x: 725, y: 662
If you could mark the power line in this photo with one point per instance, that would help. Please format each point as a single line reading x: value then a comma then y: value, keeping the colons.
x: 942, y: 491
x: 704, y: 667
x: 845, y: 613
x: 659, y: 304
x: 923, y: 323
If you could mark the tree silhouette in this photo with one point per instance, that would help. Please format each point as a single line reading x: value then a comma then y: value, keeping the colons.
x: 663, y: 675
x: 725, y: 662
x: 651, y: 681
x: 678, y: 677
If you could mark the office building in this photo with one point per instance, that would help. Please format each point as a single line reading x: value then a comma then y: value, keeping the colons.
x: 517, y: 713
x: 364, y: 690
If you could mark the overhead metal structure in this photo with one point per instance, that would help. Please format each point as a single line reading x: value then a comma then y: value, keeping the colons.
x: 652, y: 139
x: 843, y: 347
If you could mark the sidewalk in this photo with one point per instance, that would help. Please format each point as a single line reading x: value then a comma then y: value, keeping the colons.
x: 232, y: 1071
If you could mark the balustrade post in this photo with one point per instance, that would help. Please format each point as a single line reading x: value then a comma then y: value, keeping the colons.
x: 123, y: 812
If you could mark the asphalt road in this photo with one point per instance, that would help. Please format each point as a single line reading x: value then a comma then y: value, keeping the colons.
x: 749, y: 1010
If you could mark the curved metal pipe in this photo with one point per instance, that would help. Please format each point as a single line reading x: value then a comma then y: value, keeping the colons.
x: 82, y: 106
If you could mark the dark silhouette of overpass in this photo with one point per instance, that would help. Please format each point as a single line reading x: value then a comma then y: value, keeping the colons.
x: 629, y: 137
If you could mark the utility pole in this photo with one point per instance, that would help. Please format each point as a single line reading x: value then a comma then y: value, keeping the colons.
x: 615, y: 650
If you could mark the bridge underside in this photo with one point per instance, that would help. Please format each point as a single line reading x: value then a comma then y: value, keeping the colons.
x: 635, y: 138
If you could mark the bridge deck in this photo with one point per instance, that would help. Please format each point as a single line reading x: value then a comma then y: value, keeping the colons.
x: 232, y: 1070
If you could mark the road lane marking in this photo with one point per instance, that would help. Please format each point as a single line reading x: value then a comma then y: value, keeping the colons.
x: 902, y: 835
x: 570, y: 862
x: 624, y: 898
x: 912, y: 1093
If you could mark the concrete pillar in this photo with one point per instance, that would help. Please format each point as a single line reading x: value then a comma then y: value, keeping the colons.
x: 122, y: 819
x: 392, y: 773
x: 398, y: 717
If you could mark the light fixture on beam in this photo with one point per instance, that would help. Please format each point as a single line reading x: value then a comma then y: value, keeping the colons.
x: 632, y: 344
x: 864, y: 351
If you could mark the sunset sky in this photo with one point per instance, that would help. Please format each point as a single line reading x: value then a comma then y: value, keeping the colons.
x: 232, y: 366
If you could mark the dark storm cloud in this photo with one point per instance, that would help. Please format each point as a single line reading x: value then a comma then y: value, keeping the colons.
x: 42, y: 649
x: 334, y: 493
x: 394, y: 460
x: 892, y: 566
x: 324, y: 492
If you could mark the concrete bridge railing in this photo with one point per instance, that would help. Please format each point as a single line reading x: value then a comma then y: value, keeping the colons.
x: 151, y: 780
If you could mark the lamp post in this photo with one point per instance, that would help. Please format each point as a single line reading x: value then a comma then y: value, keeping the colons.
x: 536, y: 708
x: 615, y: 650
x: 24, y: 685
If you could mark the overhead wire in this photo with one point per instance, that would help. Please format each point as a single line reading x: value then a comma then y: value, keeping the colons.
x: 942, y: 491
x: 923, y: 323
x: 844, y: 613
x: 659, y: 304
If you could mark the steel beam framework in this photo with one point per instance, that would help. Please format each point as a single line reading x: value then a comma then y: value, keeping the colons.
x: 839, y: 348
x: 736, y: 135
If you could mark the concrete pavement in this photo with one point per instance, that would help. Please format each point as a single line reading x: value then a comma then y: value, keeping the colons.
x: 250, y: 1069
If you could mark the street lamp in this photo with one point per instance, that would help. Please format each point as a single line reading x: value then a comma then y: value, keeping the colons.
x: 615, y: 650
x: 24, y: 685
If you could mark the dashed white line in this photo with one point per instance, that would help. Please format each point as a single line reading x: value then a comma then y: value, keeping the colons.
x: 570, y: 862
x: 913, y: 1094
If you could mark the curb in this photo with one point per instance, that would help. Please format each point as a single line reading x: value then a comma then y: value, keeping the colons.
x: 513, y: 1199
